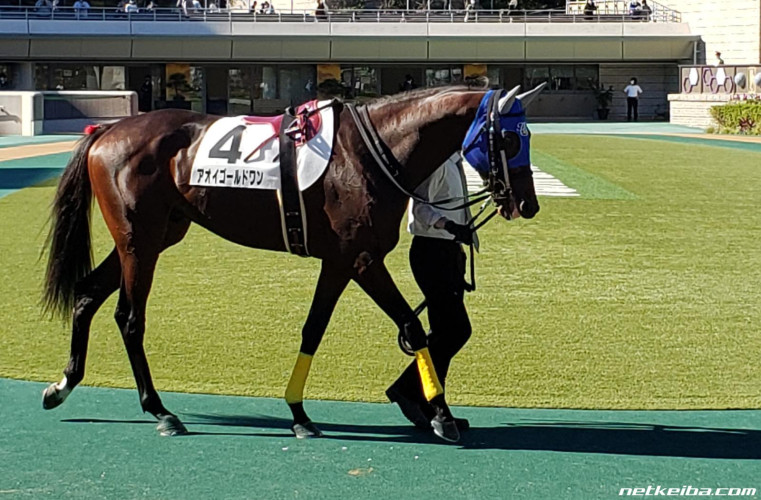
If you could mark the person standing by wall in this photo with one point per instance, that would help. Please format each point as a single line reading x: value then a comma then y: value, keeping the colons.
x: 632, y: 92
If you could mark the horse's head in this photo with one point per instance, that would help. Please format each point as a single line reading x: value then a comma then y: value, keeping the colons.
x: 498, y: 146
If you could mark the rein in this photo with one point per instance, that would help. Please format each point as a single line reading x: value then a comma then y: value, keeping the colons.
x: 391, y: 167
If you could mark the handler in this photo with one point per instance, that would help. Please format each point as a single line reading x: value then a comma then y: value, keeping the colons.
x: 438, y: 264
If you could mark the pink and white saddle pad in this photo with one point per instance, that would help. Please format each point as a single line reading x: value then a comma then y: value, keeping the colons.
x: 244, y: 151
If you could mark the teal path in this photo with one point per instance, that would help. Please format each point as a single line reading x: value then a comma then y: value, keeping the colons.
x: 18, y: 140
x: 98, y: 445
x: 611, y: 127
x: 701, y: 141
x: 24, y: 172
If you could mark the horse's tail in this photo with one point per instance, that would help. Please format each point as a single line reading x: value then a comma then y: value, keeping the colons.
x: 70, y: 255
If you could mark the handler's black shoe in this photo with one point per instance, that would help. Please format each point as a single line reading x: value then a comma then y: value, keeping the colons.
x: 411, y: 409
x: 419, y: 414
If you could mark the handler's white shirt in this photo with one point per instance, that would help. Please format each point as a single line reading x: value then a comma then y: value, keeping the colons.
x: 633, y: 90
x: 448, y: 181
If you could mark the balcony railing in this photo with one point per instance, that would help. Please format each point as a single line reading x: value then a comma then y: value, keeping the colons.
x: 659, y: 12
x: 333, y: 16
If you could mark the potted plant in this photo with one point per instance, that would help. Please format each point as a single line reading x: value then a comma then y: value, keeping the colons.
x: 604, y: 99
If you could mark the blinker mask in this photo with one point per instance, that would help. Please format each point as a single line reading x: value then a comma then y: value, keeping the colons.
x: 498, y: 147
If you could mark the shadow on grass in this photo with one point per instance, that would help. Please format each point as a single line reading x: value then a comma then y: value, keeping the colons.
x: 571, y: 437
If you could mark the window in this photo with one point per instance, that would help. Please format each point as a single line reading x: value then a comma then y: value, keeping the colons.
x: 536, y: 75
x: 561, y: 78
x: 436, y: 77
x: 586, y: 77
x: 78, y: 77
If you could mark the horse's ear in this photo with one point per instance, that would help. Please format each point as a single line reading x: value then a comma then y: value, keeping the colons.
x: 506, y: 102
x: 527, y: 97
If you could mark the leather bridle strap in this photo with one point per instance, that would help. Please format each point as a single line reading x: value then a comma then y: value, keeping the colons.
x: 392, y: 168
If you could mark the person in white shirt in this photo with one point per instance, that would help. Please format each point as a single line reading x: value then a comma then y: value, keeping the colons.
x: 438, y: 265
x: 632, y: 92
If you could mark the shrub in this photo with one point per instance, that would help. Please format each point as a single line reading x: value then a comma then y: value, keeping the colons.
x: 743, y: 117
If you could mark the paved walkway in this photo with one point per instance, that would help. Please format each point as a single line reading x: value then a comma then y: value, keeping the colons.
x: 98, y: 445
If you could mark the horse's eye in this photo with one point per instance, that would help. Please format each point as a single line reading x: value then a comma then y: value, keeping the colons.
x: 512, y: 143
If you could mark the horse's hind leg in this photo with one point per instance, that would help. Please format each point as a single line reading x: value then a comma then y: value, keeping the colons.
x: 91, y: 292
x: 138, y: 258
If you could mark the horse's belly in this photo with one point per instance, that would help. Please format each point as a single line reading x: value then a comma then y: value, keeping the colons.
x: 244, y: 216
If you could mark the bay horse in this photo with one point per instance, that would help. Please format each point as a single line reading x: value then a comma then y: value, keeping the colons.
x: 139, y: 171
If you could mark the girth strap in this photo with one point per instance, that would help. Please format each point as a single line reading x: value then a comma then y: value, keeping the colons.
x: 289, y: 196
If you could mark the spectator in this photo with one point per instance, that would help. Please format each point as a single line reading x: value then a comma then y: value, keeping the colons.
x: 80, y: 8
x: 320, y: 13
x: 5, y: 84
x: 719, y: 60
x: 43, y: 6
x: 213, y: 9
x: 131, y: 7
x: 145, y: 95
x: 150, y: 7
x: 589, y: 10
x: 409, y: 84
x: 632, y: 92
x: 252, y: 9
x: 270, y: 8
x: 470, y: 5
x: 634, y: 7
x: 645, y: 11
x: 197, y: 6
x: 183, y: 4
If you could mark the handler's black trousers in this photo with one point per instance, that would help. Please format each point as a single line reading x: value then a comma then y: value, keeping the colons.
x: 439, y: 268
x: 632, y: 103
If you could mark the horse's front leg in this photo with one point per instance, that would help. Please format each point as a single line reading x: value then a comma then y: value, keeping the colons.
x: 330, y: 286
x: 376, y: 281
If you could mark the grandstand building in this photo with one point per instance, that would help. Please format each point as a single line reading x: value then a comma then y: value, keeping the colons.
x: 233, y: 61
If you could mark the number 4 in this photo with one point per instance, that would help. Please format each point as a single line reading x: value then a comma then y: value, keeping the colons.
x: 233, y: 154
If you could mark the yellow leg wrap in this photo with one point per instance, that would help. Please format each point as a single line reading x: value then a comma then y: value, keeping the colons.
x: 294, y: 393
x: 431, y: 385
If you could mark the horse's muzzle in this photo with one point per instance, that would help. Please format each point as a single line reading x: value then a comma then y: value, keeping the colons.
x: 527, y: 209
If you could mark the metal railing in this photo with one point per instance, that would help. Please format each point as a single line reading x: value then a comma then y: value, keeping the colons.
x: 310, y: 16
x: 659, y: 12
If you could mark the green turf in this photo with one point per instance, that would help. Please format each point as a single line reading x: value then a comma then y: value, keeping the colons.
x: 99, y: 446
x: 646, y: 301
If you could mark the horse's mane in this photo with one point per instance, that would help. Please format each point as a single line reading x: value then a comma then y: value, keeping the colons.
x: 412, y: 95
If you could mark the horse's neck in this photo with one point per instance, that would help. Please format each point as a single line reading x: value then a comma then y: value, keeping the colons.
x: 424, y: 134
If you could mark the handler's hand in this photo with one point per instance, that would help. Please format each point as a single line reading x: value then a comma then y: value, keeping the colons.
x: 462, y: 233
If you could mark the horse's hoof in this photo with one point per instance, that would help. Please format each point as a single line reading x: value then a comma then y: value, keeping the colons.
x: 51, y: 397
x: 446, y: 429
x: 170, y: 425
x: 306, y: 431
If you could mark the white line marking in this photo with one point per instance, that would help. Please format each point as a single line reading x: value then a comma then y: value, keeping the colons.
x: 544, y: 183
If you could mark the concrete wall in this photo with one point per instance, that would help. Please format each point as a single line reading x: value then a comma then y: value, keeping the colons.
x: 20, y: 113
x: 730, y: 27
x: 695, y: 110
x: 34, y: 113
x: 657, y: 82
x: 344, y: 41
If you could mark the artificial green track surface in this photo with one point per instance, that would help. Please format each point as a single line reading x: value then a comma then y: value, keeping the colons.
x: 98, y: 446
